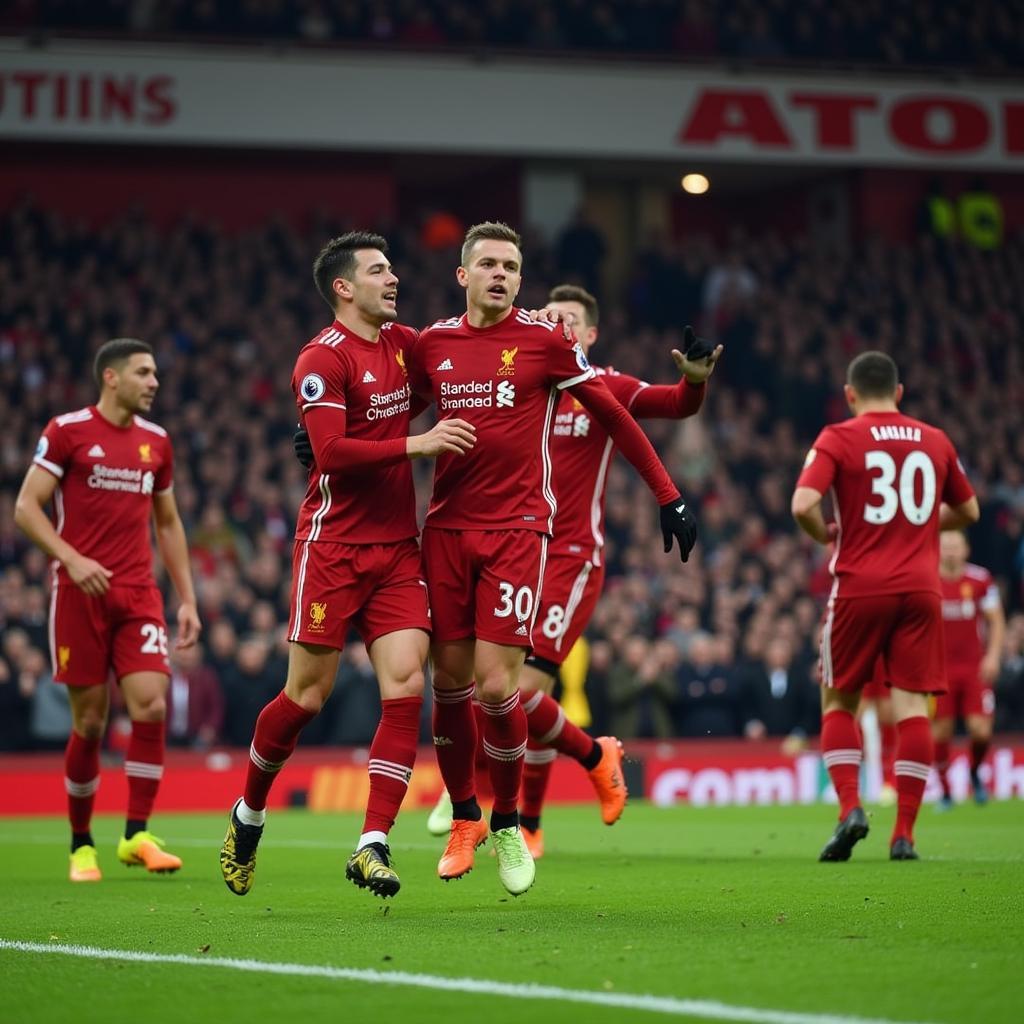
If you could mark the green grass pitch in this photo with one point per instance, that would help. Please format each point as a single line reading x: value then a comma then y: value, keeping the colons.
x: 726, y: 905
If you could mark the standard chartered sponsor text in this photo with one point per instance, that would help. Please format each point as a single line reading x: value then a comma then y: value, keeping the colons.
x: 473, y: 394
x: 116, y: 478
x: 390, y: 403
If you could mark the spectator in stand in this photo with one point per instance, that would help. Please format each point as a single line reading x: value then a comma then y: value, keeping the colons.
x: 641, y: 690
x: 708, y: 696
x: 195, y: 700
x: 780, y: 694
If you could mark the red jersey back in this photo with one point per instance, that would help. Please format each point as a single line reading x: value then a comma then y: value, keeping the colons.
x: 888, y: 474
x: 580, y: 453
x: 506, y: 380
x: 363, y: 385
x: 964, y: 600
x: 108, y: 476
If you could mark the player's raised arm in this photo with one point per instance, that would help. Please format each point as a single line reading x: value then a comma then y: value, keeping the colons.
x: 170, y: 538
x: 677, y: 401
x: 29, y: 515
x: 677, y: 519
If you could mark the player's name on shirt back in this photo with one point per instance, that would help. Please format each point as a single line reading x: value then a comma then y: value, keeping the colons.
x: 888, y: 475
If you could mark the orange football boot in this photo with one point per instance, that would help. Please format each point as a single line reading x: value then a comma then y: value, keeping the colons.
x: 608, y: 781
x: 459, y: 854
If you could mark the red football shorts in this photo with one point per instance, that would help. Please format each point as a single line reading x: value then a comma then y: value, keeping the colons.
x: 876, y: 687
x: 967, y: 695
x: 123, y: 630
x: 905, y: 629
x: 484, y: 583
x: 377, y: 588
x: 568, y: 596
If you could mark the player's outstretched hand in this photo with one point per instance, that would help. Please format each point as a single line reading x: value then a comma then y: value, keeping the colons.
x: 678, y: 521
x: 697, y: 360
x: 189, y: 626
x: 303, y: 447
x: 553, y: 316
x: 88, y: 575
x: 451, y: 435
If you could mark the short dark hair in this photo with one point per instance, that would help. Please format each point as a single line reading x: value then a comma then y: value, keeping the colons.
x: 494, y: 230
x: 873, y: 375
x: 338, y: 259
x: 574, y: 293
x: 115, y: 352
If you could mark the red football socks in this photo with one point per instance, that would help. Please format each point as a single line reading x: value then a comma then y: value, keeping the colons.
x: 454, y: 730
x: 914, y: 753
x: 942, y: 748
x: 548, y: 726
x: 392, y: 755
x: 81, y: 779
x: 144, y: 768
x: 842, y: 750
x: 277, y: 732
x: 505, y: 744
x: 536, y: 773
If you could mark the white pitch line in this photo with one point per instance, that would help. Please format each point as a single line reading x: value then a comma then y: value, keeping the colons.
x: 478, y: 986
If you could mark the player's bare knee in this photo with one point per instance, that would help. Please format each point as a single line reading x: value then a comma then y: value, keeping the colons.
x: 152, y: 710
x: 90, y: 725
x: 494, y: 688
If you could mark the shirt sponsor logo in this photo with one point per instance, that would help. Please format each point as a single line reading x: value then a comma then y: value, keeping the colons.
x: 384, y: 405
x: 120, y: 478
x: 317, y: 615
x: 506, y: 398
x: 508, y: 359
x: 145, y: 452
x: 312, y: 387
x: 581, y: 425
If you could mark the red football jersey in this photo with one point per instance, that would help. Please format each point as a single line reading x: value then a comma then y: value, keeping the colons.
x: 964, y: 600
x: 108, y: 476
x: 581, y: 450
x: 888, y: 474
x: 506, y: 380
x: 363, y: 387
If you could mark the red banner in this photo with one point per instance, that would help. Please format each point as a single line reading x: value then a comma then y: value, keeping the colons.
x: 701, y: 773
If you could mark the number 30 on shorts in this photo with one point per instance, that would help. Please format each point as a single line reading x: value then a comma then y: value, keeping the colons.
x: 519, y: 601
x: 154, y: 639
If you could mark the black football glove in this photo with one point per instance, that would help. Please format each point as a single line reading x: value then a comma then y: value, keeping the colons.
x: 677, y: 520
x: 303, y: 448
x: 695, y: 349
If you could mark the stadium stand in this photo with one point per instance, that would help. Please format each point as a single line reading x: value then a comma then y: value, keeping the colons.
x: 980, y: 36
x: 676, y: 650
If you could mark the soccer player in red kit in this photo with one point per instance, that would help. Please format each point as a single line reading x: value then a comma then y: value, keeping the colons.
x: 490, y: 516
x: 356, y: 561
x: 574, y: 571
x: 969, y: 596
x: 108, y: 471
x: 895, y: 482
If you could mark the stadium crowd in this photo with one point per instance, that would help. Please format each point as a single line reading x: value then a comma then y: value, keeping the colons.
x: 721, y: 646
x: 981, y: 35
